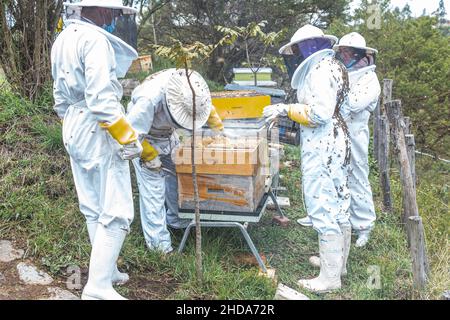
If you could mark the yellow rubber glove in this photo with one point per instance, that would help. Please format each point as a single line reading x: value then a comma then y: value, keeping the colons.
x: 149, y: 153
x: 300, y: 114
x: 214, y: 121
x: 121, y: 130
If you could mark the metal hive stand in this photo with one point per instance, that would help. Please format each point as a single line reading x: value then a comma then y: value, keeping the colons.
x: 238, y: 220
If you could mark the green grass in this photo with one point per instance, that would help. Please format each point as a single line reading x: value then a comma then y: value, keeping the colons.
x: 38, y: 208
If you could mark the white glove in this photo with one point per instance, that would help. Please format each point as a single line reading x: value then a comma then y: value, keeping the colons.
x: 275, y: 110
x: 131, y: 150
x: 231, y: 134
x: 154, y: 164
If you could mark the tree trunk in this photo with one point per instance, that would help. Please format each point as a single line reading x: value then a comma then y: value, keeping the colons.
x: 198, y: 232
x: 28, y: 30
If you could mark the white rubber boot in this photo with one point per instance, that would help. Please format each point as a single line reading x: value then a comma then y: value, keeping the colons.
x: 306, y: 221
x: 331, y: 258
x: 118, y: 278
x: 347, y: 232
x: 363, y: 238
x: 104, y: 254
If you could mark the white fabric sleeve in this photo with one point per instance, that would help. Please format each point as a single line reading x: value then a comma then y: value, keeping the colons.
x: 103, y: 91
x: 141, y: 114
x: 61, y: 105
x: 323, y: 94
x: 364, y: 94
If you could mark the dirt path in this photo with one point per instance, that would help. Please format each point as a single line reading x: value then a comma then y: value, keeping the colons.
x: 22, y: 279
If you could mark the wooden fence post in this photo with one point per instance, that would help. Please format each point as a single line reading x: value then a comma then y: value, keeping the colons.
x: 408, y: 129
x: 414, y: 226
x: 378, y: 112
x: 383, y: 162
x: 397, y: 125
x: 420, y: 266
x: 387, y: 90
x: 411, y: 149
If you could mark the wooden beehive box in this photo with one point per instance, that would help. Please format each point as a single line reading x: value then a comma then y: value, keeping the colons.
x: 141, y: 64
x: 230, y: 178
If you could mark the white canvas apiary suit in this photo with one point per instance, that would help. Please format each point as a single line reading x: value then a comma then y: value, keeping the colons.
x: 86, y: 62
x: 362, y: 100
x: 159, y: 106
x: 322, y: 84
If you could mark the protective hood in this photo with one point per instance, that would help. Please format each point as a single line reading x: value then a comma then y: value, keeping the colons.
x: 302, y: 70
x: 113, y: 4
x: 179, y: 99
x: 304, y: 33
x: 123, y: 24
x: 355, y: 40
x: 124, y: 53
x: 302, y: 50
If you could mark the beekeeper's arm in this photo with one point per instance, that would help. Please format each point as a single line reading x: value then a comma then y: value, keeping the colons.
x: 141, y: 112
x: 103, y: 93
x: 365, y: 93
x: 321, y: 101
x: 61, y: 104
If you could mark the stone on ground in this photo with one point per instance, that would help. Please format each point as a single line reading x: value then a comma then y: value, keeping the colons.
x: 29, y: 274
x: 60, y: 294
x: 8, y: 253
x: 286, y: 293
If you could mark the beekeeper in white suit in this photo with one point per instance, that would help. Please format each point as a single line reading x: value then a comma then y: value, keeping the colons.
x: 159, y: 106
x: 321, y: 82
x: 86, y: 61
x: 362, y: 99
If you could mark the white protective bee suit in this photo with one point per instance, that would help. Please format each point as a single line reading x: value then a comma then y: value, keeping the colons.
x: 362, y: 100
x: 321, y: 86
x: 150, y: 113
x: 86, y: 61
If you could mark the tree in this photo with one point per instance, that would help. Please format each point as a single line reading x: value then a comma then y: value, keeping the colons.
x: 196, y: 20
x: 28, y: 29
x: 441, y: 13
x: 147, y: 9
x: 406, y: 11
x: 416, y: 55
x: 255, y: 43
x: 183, y: 55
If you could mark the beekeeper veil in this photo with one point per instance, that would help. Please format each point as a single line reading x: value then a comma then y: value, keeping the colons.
x: 306, y: 41
x: 179, y: 99
x: 118, y: 24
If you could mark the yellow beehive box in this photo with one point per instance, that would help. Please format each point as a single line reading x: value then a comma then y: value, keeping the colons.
x: 239, y: 104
